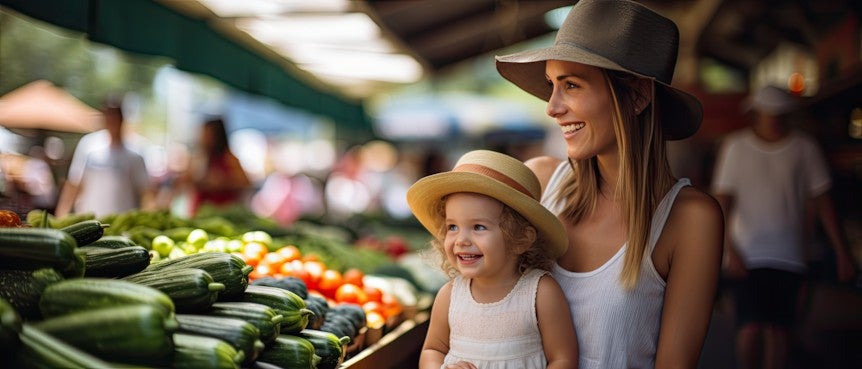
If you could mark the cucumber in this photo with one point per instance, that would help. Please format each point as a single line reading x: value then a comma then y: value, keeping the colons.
x: 23, y: 288
x: 289, y: 351
x: 137, y: 334
x: 240, y: 334
x: 192, y: 290
x: 34, y: 248
x: 224, y: 268
x: 43, y: 351
x: 198, y: 352
x: 265, y: 318
x: 80, y: 294
x: 286, y: 303
x: 112, y: 242
x: 10, y: 327
x: 339, y: 325
x: 328, y: 346
x: 86, y: 232
x: 115, y: 263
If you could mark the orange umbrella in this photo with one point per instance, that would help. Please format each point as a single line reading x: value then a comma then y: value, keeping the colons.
x: 41, y: 105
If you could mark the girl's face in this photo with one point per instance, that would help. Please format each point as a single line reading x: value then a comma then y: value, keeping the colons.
x: 474, y: 242
x: 581, y: 105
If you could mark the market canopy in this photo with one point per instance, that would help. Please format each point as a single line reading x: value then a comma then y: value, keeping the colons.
x: 148, y: 27
x: 41, y: 105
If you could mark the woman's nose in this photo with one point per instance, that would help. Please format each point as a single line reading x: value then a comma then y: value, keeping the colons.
x: 555, y: 106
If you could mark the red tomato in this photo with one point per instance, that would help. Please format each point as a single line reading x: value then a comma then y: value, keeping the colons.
x: 329, y: 282
x: 350, y: 293
x: 354, y: 276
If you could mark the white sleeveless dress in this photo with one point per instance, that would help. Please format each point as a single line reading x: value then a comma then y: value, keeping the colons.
x: 497, y: 335
x: 616, y: 328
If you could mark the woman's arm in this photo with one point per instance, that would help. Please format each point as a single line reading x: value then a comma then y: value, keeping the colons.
x: 555, y: 325
x: 437, y: 339
x: 695, y: 233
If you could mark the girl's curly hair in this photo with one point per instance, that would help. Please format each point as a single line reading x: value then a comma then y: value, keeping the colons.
x: 511, y: 222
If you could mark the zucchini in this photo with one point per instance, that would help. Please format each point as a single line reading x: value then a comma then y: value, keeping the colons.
x: 320, y: 307
x: 202, y: 352
x: 112, y: 242
x: 43, y: 351
x: 286, y: 303
x: 224, y: 268
x: 289, y: 351
x: 73, y: 295
x: 339, y: 325
x: 10, y: 326
x: 192, y: 290
x: 115, y: 263
x: 34, y: 248
x: 290, y: 283
x: 23, y: 288
x: 85, y: 232
x: 137, y: 334
x: 265, y: 318
x: 352, y: 312
x: 240, y: 334
x: 329, y: 347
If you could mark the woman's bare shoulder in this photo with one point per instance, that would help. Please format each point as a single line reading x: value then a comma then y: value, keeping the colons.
x: 543, y: 167
x: 695, y: 215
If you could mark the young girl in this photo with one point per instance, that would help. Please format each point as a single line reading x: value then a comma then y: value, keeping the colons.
x: 502, y: 309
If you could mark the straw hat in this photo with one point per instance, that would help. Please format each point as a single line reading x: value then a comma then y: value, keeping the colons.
x: 770, y: 100
x: 493, y: 174
x: 618, y: 35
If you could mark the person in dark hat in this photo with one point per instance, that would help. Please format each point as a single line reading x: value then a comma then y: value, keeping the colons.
x: 644, y: 255
x: 764, y: 177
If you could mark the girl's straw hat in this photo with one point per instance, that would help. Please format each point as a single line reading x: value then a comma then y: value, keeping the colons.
x: 618, y: 35
x: 493, y: 174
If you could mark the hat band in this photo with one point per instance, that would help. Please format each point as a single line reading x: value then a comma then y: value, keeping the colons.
x: 488, y: 172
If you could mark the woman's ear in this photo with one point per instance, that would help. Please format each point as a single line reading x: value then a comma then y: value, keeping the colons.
x: 643, y: 93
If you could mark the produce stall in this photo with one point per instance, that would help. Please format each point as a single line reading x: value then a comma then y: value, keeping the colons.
x: 225, y: 289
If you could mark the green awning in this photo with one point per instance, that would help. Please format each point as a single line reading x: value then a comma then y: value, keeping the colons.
x: 147, y: 27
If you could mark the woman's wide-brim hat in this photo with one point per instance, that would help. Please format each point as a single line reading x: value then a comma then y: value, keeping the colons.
x: 618, y: 35
x: 492, y: 174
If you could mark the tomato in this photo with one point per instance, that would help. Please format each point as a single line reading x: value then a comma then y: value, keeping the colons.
x: 354, y: 276
x: 290, y: 252
x: 9, y: 219
x: 373, y: 293
x: 392, y: 305
x: 374, y: 320
x: 329, y: 282
x: 274, y: 260
x: 350, y: 293
x: 315, y: 271
x: 262, y: 270
x: 255, y: 249
x: 374, y: 306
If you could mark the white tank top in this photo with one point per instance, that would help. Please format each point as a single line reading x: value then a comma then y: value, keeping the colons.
x: 616, y: 328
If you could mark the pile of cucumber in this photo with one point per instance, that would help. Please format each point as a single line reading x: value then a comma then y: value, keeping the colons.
x: 74, y: 297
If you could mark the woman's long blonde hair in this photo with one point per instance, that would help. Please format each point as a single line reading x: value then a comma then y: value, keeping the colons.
x: 645, y: 173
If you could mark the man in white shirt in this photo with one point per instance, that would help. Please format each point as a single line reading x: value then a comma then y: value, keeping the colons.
x: 106, y: 178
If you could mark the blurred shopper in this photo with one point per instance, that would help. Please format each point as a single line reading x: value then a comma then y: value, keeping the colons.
x: 765, y: 176
x: 644, y: 255
x: 215, y: 176
x: 106, y: 178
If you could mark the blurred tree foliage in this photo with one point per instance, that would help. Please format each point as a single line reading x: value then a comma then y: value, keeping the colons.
x: 32, y: 50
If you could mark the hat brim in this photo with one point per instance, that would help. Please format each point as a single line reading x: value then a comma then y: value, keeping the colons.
x: 681, y: 112
x: 425, y: 195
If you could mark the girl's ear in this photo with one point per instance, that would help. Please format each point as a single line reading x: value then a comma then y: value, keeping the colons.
x: 643, y: 93
x: 529, y: 239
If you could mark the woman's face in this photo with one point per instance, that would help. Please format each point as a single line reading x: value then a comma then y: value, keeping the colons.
x: 581, y: 105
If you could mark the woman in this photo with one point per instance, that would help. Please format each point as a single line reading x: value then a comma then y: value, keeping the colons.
x: 216, y: 176
x: 644, y: 254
